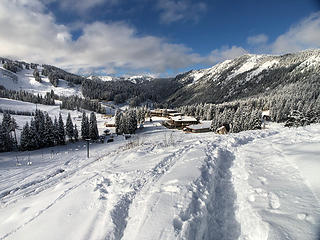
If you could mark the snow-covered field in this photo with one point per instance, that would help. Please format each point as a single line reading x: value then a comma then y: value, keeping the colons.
x: 166, y: 184
x: 25, y: 81
x: 53, y: 111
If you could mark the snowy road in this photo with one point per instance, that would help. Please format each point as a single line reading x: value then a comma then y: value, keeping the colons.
x: 252, y: 185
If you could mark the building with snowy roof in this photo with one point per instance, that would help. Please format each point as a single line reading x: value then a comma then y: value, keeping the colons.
x: 198, y: 128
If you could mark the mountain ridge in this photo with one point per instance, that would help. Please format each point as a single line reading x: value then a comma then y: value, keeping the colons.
x: 245, y: 76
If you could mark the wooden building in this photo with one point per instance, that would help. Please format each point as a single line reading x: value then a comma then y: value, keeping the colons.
x: 164, y: 113
x: 180, y: 122
x: 198, y: 128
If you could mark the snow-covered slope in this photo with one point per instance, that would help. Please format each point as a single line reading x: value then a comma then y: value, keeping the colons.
x: 133, y: 79
x: 167, y: 185
x: 53, y: 111
x: 24, y: 80
x: 245, y: 76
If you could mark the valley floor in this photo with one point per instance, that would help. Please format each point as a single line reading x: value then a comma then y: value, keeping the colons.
x: 166, y: 184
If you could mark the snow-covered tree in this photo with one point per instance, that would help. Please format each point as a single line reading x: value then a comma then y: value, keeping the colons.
x: 118, y: 117
x: 62, y: 133
x: 75, y: 133
x: 93, y: 128
x: 7, y: 142
x: 49, y: 131
x: 85, y: 126
x: 56, y: 131
x: 25, y: 137
x: 69, y: 127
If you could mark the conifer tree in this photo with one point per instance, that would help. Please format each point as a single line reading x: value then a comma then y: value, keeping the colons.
x: 69, y: 127
x: 49, y: 131
x: 25, y: 137
x: 56, y: 131
x: 33, y: 135
x: 39, y: 121
x: 75, y: 133
x: 62, y: 133
x: 93, y: 128
x: 131, y: 122
x: 118, y: 117
x: 84, y: 126
x: 6, y: 139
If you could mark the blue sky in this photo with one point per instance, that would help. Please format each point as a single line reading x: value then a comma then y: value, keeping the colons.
x: 161, y: 37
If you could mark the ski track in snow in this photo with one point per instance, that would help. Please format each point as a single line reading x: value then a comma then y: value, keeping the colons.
x: 49, y: 206
x: 204, y: 187
x: 120, y: 212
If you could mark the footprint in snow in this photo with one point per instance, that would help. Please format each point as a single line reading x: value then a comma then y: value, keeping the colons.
x: 263, y: 180
x: 252, y: 198
x: 274, y: 201
x: 305, y: 217
x: 301, y: 216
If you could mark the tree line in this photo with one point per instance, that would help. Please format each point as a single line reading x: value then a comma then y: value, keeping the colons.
x: 126, y: 122
x: 78, y: 103
x: 43, y: 131
x: 25, y: 96
x: 296, y: 104
x: 120, y: 91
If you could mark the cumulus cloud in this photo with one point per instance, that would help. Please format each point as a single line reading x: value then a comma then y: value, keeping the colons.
x: 81, y: 6
x: 180, y: 10
x: 28, y: 32
x: 257, y: 39
x: 226, y: 53
x: 305, y: 34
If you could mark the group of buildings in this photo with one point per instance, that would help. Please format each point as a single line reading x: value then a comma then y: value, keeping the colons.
x: 178, y: 121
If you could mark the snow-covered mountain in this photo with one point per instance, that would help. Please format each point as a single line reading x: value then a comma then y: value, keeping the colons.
x: 23, y: 79
x: 245, y: 76
x: 242, y: 77
x: 134, y: 79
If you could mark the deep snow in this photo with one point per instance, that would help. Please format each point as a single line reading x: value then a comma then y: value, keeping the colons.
x: 166, y: 184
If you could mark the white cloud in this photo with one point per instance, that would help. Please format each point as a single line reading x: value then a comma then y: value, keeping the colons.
x: 226, y: 53
x: 257, y: 39
x: 27, y: 32
x: 180, y: 10
x: 81, y: 6
x: 305, y: 34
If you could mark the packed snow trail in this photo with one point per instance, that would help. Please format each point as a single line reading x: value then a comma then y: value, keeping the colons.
x: 250, y: 185
x: 274, y: 196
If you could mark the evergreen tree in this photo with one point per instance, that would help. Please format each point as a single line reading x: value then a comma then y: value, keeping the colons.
x: 34, y: 137
x: 84, y: 126
x: 56, y: 131
x: 49, y: 131
x: 69, y: 127
x: 62, y: 133
x: 118, y: 117
x: 93, y: 128
x: 25, y: 138
x: 75, y: 133
x: 39, y: 121
x: 36, y: 75
x: 6, y: 138
x: 131, y: 122
x: 13, y: 127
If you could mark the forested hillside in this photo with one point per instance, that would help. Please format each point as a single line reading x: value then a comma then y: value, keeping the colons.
x: 249, y: 75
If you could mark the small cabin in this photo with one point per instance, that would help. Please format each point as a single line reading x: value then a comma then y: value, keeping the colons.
x: 198, y: 128
x: 266, y: 115
x: 109, y: 124
x: 222, y: 130
x: 180, y: 122
x: 163, y: 112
